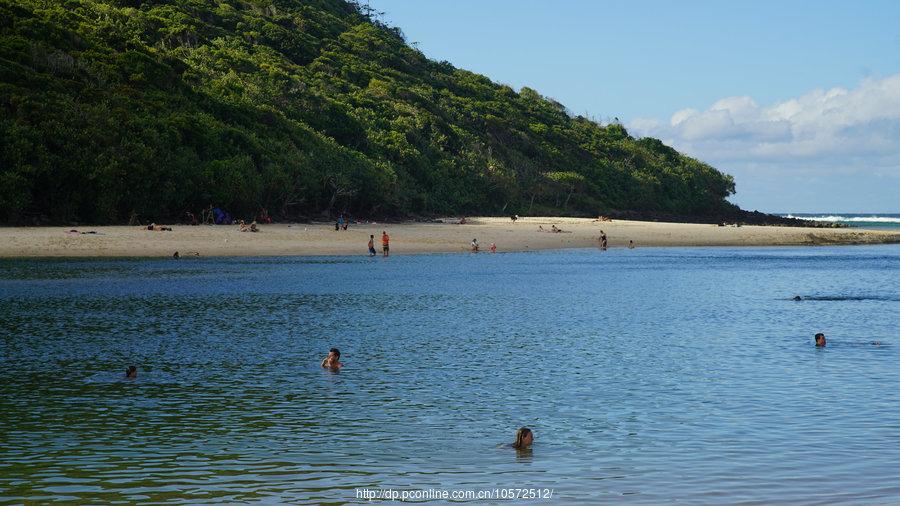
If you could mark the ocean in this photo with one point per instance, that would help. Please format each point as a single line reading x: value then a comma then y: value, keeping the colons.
x: 861, y: 220
x: 648, y: 375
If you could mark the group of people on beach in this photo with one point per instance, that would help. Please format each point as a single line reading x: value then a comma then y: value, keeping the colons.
x: 341, y: 223
x: 553, y: 230
x: 385, y: 244
x: 475, y: 248
x: 251, y: 227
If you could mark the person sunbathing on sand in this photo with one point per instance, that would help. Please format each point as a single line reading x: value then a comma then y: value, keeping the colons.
x: 158, y: 228
x: 333, y: 360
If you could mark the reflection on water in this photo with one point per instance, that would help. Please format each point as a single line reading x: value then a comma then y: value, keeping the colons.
x: 647, y: 376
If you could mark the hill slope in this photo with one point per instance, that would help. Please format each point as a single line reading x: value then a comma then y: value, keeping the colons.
x: 119, y: 109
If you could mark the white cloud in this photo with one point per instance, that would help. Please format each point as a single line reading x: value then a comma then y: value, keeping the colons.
x: 840, y: 127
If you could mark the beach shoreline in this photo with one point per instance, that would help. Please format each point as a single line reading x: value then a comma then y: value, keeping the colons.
x: 320, y: 239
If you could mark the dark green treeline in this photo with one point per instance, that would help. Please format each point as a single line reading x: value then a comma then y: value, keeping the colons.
x: 118, y: 110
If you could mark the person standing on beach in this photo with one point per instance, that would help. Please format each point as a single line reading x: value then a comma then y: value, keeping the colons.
x: 493, y: 248
x: 385, y: 243
x: 630, y: 244
x: 474, y: 245
x: 371, y: 245
x: 602, y: 240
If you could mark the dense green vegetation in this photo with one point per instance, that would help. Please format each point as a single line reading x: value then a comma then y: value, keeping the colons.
x: 121, y: 109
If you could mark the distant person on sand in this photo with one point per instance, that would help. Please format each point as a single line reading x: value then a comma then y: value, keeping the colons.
x: 820, y: 340
x: 493, y: 248
x: 524, y: 438
x: 630, y: 244
x: 372, y: 245
x: 602, y: 240
x: 131, y: 372
x: 333, y: 359
x: 474, y: 245
x: 385, y: 243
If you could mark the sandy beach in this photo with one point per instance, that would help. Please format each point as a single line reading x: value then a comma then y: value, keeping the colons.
x: 407, y: 238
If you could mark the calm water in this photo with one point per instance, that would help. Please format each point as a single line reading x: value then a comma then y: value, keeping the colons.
x: 650, y: 375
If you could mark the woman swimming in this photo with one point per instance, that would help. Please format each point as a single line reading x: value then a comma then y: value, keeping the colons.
x: 524, y: 438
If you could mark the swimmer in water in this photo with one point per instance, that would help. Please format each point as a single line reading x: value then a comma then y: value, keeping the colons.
x: 820, y: 340
x: 333, y: 360
x: 131, y: 372
x: 797, y: 297
x: 524, y: 438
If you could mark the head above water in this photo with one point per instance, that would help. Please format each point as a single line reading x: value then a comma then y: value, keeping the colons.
x: 131, y: 372
x: 820, y: 339
x: 524, y: 438
x: 335, y: 352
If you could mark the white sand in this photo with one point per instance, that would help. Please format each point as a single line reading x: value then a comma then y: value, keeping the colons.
x: 322, y: 239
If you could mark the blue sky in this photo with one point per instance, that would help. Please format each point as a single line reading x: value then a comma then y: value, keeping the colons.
x: 800, y: 101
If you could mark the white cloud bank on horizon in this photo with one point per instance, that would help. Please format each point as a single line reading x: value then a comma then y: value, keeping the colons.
x: 836, y: 149
x: 855, y: 129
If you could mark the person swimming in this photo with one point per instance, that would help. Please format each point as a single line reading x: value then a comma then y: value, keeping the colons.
x: 820, y: 340
x: 333, y: 360
x: 524, y: 438
x: 131, y: 372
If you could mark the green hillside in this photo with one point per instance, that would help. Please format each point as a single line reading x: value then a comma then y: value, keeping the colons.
x: 117, y: 110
